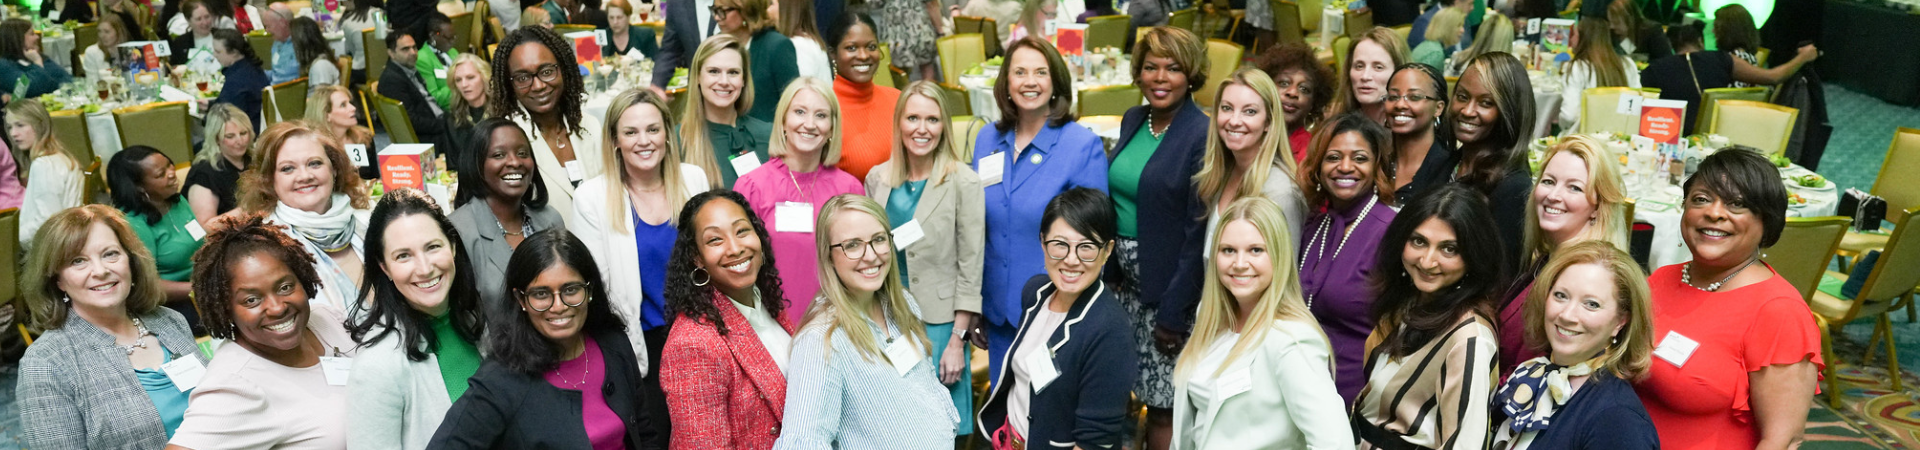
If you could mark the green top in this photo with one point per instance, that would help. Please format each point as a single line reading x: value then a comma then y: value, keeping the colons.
x: 1123, y: 178
x: 731, y: 140
x: 434, y: 75
x: 1431, y: 53
x: 900, y: 206
x: 458, y: 358
x: 172, y: 245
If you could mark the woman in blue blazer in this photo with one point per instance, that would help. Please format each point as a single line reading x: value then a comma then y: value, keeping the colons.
x: 1034, y: 152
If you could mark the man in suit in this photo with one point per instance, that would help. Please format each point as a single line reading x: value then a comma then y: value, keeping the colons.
x: 400, y: 81
x: 688, y: 23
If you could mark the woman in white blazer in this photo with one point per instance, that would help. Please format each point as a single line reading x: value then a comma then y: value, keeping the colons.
x: 1257, y: 371
x: 625, y: 216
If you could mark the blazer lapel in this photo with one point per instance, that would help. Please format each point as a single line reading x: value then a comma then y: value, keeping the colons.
x: 491, y: 234
x: 754, y: 358
x: 930, y: 200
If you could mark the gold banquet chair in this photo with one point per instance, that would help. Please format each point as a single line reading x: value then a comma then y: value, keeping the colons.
x: 1903, y: 160
x: 1597, y: 106
x: 961, y: 52
x: 463, y: 22
x: 285, y: 101
x: 1108, y: 100
x: 1888, y: 287
x: 70, y: 130
x: 394, y: 116
x: 1107, y: 31
x: 1288, y: 25
x: 1806, y: 245
x: 1713, y: 96
x: 1760, y: 125
x: 262, y: 44
x: 10, y: 259
x: 164, y: 126
x: 376, y: 50
x: 1223, y: 58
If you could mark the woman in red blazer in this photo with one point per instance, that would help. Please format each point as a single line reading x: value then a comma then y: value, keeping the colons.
x: 725, y: 359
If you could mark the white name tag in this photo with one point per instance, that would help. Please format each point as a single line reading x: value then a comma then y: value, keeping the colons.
x: 194, y: 229
x: 903, y: 355
x: 793, y: 217
x: 1040, y: 371
x: 600, y: 37
x: 1676, y: 348
x: 576, y: 171
x: 744, y: 164
x: 358, y: 154
x: 337, y: 369
x: 907, y: 234
x: 991, y: 167
x: 440, y: 73
x: 184, y: 371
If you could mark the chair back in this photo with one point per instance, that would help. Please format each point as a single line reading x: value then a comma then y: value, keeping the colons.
x: 1340, y: 48
x: 1223, y: 58
x: 1898, y: 269
x: 885, y: 78
x: 959, y: 103
x: 988, y: 30
x: 164, y: 126
x: 463, y: 30
x: 1404, y: 31
x: 10, y: 260
x: 70, y: 130
x: 476, y: 29
x: 1358, y: 21
x: 394, y: 116
x: 1711, y: 96
x: 1760, y: 56
x: 376, y: 51
x: 1903, y: 160
x: 285, y: 101
x: 89, y: 33
x: 1108, y: 100
x: 93, y: 184
x: 1288, y: 24
x: 262, y: 47
x: 1185, y: 19
x: 1310, y: 14
x: 564, y: 28
x: 1805, y: 246
x: 1760, y: 125
x: 1597, y: 106
x: 961, y: 52
x: 1107, y: 31
x: 965, y: 130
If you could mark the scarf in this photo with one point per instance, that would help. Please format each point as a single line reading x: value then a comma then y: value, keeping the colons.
x: 332, y: 231
x: 731, y: 139
x: 1532, y: 381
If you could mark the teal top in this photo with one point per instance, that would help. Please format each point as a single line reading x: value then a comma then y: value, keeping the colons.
x: 458, y: 358
x: 1431, y: 53
x: 170, y: 401
x: 1123, y: 178
x: 900, y: 204
x: 168, y: 239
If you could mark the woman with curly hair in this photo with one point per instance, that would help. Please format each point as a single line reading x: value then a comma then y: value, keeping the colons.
x: 1306, y: 87
x: 302, y: 179
x: 536, y: 85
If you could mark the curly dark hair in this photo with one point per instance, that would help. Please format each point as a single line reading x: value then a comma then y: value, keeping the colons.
x: 123, y: 179
x: 389, y: 312
x: 470, y: 166
x: 696, y: 302
x: 504, y: 102
x: 513, y: 342
x: 1415, y: 320
x: 1297, y: 56
x: 242, y: 237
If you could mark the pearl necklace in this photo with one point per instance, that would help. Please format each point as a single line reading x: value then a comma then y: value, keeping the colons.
x: 1321, y: 237
x: 139, y: 339
x: 1157, y: 135
x: 1686, y: 276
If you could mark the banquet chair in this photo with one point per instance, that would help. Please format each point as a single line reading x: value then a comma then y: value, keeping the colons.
x: 1889, y: 286
x: 564, y: 28
x: 1597, y: 110
x: 285, y: 101
x: 1358, y: 21
x: 1403, y: 31
x: 960, y: 52
x: 10, y: 259
x: 376, y: 50
x: 1223, y: 57
x: 989, y: 31
x: 1108, y: 100
x: 893, y: 76
x: 93, y: 184
x: 262, y: 47
x: 463, y: 22
x: 1288, y: 25
x: 1806, y: 245
x: 70, y: 129
x: 164, y: 126
x: 1340, y: 45
x: 964, y: 130
x: 1108, y: 31
x: 1185, y: 19
x: 1761, y: 55
x: 957, y: 100
x: 1760, y: 125
x: 679, y: 100
x: 1711, y: 97
x: 85, y: 36
x: 476, y: 33
x: 1903, y: 159
x: 394, y: 116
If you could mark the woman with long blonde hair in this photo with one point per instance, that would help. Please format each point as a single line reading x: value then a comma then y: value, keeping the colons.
x: 1253, y: 328
x: 215, y: 177
x: 719, y: 94
x: 1595, y: 64
x: 1249, y: 154
x: 803, y: 175
x: 469, y: 78
x: 331, y: 108
x: 53, y: 179
x: 1578, y: 197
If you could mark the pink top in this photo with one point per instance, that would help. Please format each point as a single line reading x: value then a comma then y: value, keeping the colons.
x: 773, y: 184
x: 11, y: 189
x: 587, y: 373
x: 246, y: 401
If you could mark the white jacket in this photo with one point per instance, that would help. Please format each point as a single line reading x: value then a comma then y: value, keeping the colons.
x: 615, y: 252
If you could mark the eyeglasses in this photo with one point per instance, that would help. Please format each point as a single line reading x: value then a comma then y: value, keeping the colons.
x: 1085, y: 251
x: 549, y: 74
x: 721, y: 11
x: 854, y: 249
x: 541, y: 299
x: 1416, y: 98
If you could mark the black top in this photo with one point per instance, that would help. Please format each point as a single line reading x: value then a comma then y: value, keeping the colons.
x: 1651, y: 41
x: 223, y: 182
x: 1436, y: 169
x: 400, y: 83
x: 1604, y: 414
x: 74, y: 11
x: 1508, y: 203
x: 511, y: 410
x: 1675, y: 76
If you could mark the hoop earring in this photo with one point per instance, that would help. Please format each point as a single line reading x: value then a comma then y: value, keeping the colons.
x: 701, y: 275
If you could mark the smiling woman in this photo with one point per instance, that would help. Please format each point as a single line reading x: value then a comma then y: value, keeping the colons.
x: 502, y: 200
x: 802, y: 176
x: 1579, y: 197
x: 144, y: 186
x: 535, y: 85
x: 304, y: 181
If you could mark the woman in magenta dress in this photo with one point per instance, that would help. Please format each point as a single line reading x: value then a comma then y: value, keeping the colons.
x: 1344, y: 178
x: 789, y: 190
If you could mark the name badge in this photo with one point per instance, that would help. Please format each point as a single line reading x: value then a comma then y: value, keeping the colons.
x: 195, y: 230
x: 991, y: 167
x: 576, y: 171
x: 903, y: 355
x: 793, y: 217
x: 1040, y: 371
x: 744, y: 163
x: 907, y: 234
x: 1676, y: 348
x: 184, y: 372
x: 440, y: 73
x: 337, y: 369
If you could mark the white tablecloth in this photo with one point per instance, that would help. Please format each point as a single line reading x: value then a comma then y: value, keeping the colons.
x: 105, y: 134
x: 60, y: 48
x: 1662, y: 210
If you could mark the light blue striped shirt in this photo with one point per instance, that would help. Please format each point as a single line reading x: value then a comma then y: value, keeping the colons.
x: 844, y: 400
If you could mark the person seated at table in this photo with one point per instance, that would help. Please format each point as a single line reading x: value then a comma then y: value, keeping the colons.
x: 226, y: 14
x: 868, y: 107
x: 812, y: 57
x: 302, y: 179
x: 1639, y: 38
x: 1685, y: 76
x: 535, y: 16
x: 772, y: 55
x: 225, y: 153
x: 502, y: 201
x: 314, y: 55
x: 282, y: 63
x: 1446, y: 30
x: 1238, y: 162
x: 104, y: 57
x: 1005, y: 13
x: 330, y: 108
x: 1305, y: 86
x: 1422, y: 156
x: 1579, y: 197
x: 1491, y: 115
x: 719, y: 94
x: 1734, y: 32
x: 357, y: 16
x: 538, y: 87
x: 1495, y: 36
x: 469, y: 78
x: 624, y: 37
x: 244, y: 80
x: 576, y: 12
x: 436, y: 57
x: 1371, y: 61
x: 141, y: 182
x: 400, y: 81
x: 24, y: 63
x: 804, y: 173
x: 133, y: 16
x: 273, y: 380
x: 1034, y: 15
x: 53, y: 178
x: 192, y: 45
x: 1593, y: 329
x: 1595, y: 64
x: 62, y: 11
x: 94, y: 379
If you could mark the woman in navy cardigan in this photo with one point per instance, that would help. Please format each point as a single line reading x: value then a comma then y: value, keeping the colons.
x: 1159, y: 213
x: 1072, y: 361
x: 244, y: 78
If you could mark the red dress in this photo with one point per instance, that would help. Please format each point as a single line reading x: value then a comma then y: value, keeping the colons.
x: 1298, y: 140
x: 1704, y: 404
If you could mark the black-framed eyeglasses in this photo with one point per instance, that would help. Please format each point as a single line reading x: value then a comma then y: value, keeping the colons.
x: 854, y: 249
x: 1416, y: 98
x: 549, y: 74
x: 541, y: 299
x: 1086, y: 251
x: 720, y: 11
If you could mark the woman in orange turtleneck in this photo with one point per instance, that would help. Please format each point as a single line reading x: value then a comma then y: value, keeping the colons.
x: 866, y: 109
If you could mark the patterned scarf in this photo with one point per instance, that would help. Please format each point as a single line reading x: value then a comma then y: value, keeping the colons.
x: 333, y: 231
x: 1531, y: 381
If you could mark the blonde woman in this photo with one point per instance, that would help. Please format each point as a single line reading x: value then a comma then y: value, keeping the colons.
x: 1444, y: 32
x: 211, y: 183
x: 1595, y: 64
x: 720, y: 93
x: 1249, y: 154
x: 803, y: 175
x: 53, y: 181
x: 331, y: 108
x: 1257, y: 372
x: 469, y: 78
x: 927, y: 184
x: 626, y: 215
x: 1579, y: 196
x: 860, y: 375
x: 1371, y: 60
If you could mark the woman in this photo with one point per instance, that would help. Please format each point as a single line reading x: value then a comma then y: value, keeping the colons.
x: 223, y: 14
x: 1349, y: 192
x: 797, y: 20
x: 724, y: 364
x: 356, y: 16
x: 771, y: 53
x: 423, y: 321
x: 1034, y: 152
x: 20, y: 46
x: 926, y: 184
x: 1595, y: 64
x: 1034, y: 15
x: 141, y: 182
x: 625, y: 216
x: 861, y: 374
x: 804, y: 173
x: 1761, y: 349
x: 314, y: 53
x: 717, y: 108
x: 1444, y: 32
x: 1371, y: 61
x: 1495, y: 36
x: 331, y: 108
x: 1423, y: 150
x: 622, y: 37
x: 1305, y: 86
x: 1734, y: 32
x: 469, y: 79
x: 103, y: 57
x: 98, y: 377
x: 1594, y: 331
x: 910, y: 27
x: 133, y: 16
x: 868, y: 107
x: 1254, y: 336
x: 1687, y: 75
x: 500, y: 192
x: 1491, y: 115
x: 559, y: 372
x: 1076, y: 326
x: 279, y: 378
x: 1639, y: 38
x: 211, y: 183
x: 193, y: 39
x: 53, y: 178
x: 1246, y: 157
x: 1437, y: 272
x: 301, y: 179
x: 241, y: 70
x: 530, y: 89
x: 1579, y: 197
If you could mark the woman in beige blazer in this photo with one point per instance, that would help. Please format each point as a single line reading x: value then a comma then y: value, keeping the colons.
x: 939, y: 210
